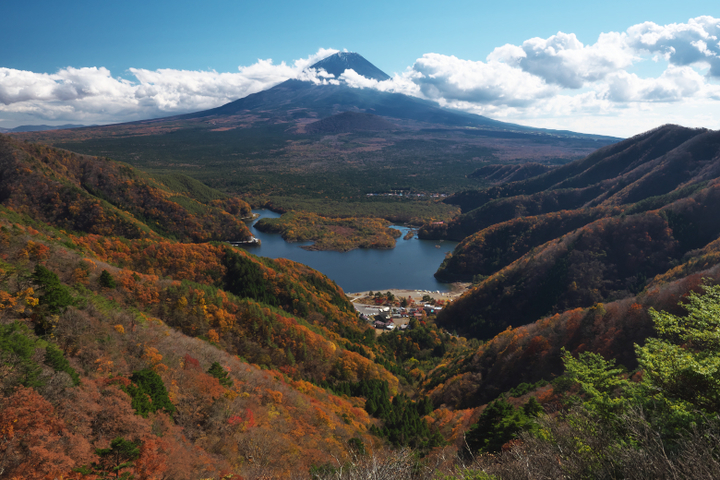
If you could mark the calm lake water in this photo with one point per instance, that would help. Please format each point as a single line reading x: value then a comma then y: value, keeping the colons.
x: 410, y: 265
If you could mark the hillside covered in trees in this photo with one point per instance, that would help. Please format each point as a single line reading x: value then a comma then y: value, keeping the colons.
x: 135, y: 341
x: 126, y: 351
x: 594, y: 230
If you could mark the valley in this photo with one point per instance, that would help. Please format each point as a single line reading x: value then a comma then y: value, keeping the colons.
x: 581, y: 339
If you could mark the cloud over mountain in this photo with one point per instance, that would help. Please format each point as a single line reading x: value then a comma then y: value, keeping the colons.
x: 94, y: 95
x: 557, y: 82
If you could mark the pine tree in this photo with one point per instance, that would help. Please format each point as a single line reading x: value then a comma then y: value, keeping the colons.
x: 119, y: 456
x: 148, y: 393
x: 106, y: 280
x: 218, y: 372
x: 54, y: 357
x: 56, y: 296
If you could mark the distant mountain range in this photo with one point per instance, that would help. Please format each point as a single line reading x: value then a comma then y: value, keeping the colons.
x: 39, y: 128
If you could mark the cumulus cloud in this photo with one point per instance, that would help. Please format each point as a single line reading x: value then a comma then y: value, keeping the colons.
x: 561, y: 78
x: 551, y: 81
x: 540, y: 70
x: 66, y: 85
x: 563, y: 60
x: 675, y: 84
x: 452, y: 79
x: 404, y: 83
x: 694, y: 42
x: 94, y: 95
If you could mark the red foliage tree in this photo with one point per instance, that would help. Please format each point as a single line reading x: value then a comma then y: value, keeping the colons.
x: 34, y: 442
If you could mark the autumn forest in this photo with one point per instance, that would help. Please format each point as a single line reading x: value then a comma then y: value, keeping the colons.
x: 137, y: 342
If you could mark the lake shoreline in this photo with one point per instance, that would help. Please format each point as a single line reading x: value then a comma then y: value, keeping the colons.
x: 457, y: 289
x: 410, y: 265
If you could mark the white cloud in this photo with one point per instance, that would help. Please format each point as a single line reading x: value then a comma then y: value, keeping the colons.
x: 66, y: 85
x: 405, y: 83
x: 557, y: 81
x: 93, y: 95
x: 450, y: 79
x: 563, y: 60
x: 694, y: 42
x: 675, y: 84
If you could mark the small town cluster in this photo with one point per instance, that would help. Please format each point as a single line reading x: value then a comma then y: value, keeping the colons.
x: 387, y: 312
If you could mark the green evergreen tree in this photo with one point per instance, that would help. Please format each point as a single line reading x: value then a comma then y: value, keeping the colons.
x: 499, y: 423
x: 55, y: 299
x: 357, y: 445
x: 17, y: 349
x: 533, y: 408
x: 684, y: 364
x: 113, y: 460
x: 217, y: 371
x: 106, y: 280
x: 148, y: 393
x: 54, y: 357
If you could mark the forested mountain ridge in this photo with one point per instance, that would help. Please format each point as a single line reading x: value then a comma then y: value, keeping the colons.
x: 96, y: 195
x: 577, y: 266
x: 605, y: 227
x: 650, y: 164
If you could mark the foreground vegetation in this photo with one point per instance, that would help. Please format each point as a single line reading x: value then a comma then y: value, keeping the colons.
x: 187, y: 369
x: 659, y: 422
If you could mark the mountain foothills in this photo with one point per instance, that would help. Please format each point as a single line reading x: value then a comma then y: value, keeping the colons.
x: 136, y: 342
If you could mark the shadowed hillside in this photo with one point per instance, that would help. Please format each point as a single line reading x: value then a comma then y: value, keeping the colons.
x: 651, y: 164
x: 595, y: 230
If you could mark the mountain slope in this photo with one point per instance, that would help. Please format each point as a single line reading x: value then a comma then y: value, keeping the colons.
x: 204, y: 357
x: 326, y: 100
x: 96, y: 195
x: 651, y: 164
x: 330, y: 99
x: 105, y: 338
x: 603, y: 229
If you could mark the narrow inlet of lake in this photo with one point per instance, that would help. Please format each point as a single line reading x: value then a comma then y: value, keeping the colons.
x: 410, y: 265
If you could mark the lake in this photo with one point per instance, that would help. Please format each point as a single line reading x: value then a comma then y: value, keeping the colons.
x: 410, y: 265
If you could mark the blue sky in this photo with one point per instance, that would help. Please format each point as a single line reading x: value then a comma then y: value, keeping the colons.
x: 106, y: 62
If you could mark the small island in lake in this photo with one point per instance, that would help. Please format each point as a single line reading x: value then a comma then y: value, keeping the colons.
x: 337, y: 234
